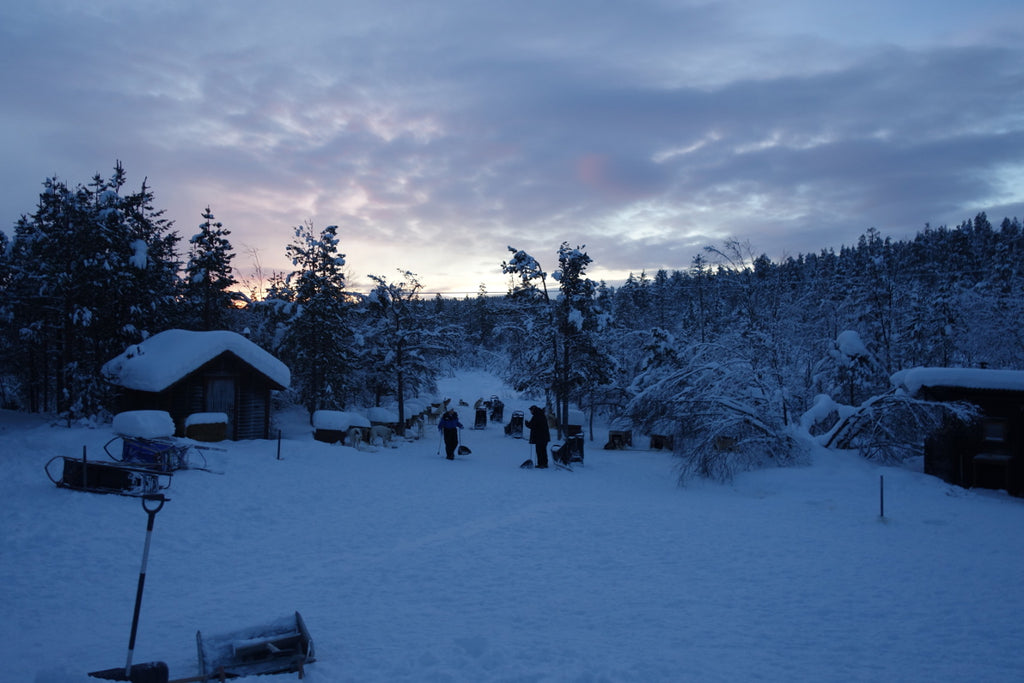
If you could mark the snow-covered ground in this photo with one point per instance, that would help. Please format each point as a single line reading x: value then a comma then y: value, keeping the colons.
x: 408, y: 567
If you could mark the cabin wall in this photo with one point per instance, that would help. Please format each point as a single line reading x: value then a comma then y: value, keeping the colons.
x: 986, y: 454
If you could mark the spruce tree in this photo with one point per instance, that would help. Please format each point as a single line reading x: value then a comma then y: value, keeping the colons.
x: 316, y: 338
x: 208, y: 276
x: 93, y: 270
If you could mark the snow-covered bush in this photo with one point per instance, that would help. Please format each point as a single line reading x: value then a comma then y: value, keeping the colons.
x: 722, y: 416
x: 891, y: 427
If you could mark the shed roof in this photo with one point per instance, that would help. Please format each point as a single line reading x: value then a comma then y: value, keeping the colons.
x: 169, y: 356
x: 967, y: 378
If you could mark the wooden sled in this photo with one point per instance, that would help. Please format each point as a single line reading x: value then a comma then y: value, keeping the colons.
x: 82, y: 474
x: 279, y: 647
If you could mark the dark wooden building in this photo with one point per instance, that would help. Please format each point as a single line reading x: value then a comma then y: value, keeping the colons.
x: 988, y: 453
x: 185, y: 372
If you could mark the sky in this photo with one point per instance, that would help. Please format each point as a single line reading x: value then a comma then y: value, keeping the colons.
x: 436, y: 135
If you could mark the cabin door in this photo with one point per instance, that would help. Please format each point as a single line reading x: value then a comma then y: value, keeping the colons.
x: 220, y: 398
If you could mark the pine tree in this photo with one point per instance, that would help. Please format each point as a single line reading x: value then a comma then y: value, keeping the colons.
x: 527, y: 330
x: 584, y: 366
x: 316, y: 338
x: 208, y: 276
x: 93, y: 270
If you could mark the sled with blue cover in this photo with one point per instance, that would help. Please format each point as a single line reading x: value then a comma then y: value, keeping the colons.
x: 155, y: 454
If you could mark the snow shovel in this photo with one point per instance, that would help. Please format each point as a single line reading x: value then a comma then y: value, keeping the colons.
x: 463, y: 450
x: 151, y: 672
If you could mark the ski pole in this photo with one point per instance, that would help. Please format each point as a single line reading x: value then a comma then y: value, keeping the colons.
x: 151, y: 512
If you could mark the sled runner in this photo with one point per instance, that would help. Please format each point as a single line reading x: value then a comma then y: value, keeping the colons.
x: 82, y: 474
x: 281, y: 646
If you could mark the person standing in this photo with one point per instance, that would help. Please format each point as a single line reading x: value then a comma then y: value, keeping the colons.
x: 449, y: 427
x: 540, y: 435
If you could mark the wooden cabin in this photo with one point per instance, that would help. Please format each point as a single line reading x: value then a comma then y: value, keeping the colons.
x: 185, y: 372
x: 988, y: 453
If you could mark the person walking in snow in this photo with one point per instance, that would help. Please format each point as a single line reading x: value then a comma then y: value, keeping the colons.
x: 540, y: 435
x: 449, y: 426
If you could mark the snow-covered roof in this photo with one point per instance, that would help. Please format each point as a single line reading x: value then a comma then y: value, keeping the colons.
x: 165, y: 358
x: 967, y: 378
x: 339, y: 420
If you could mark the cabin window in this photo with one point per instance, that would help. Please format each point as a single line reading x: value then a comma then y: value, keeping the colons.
x: 993, y: 431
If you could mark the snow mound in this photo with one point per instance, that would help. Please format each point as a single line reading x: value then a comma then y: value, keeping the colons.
x: 144, y: 424
x: 338, y: 420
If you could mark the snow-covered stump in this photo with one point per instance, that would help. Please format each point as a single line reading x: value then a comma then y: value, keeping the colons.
x: 207, y: 427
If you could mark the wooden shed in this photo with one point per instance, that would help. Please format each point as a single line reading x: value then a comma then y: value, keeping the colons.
x: 186, y: 372
x: 988, y: 453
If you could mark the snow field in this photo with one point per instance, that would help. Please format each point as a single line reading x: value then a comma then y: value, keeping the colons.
x: 408, y: 567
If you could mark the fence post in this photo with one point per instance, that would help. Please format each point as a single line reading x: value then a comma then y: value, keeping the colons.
x: 881, y: 496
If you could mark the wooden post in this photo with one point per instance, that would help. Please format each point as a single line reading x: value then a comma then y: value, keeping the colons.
x: 278, y: 444
x: 881, y: 496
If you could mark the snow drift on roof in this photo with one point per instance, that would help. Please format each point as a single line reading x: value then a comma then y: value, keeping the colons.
x: 165, y: 358
x: 968, y: 378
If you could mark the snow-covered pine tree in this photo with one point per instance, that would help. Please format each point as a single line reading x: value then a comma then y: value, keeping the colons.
x: 93, y: 270
x: 528, y: 327
x: 583, y: 365
x: 209, y: 300
x: 315, y: 340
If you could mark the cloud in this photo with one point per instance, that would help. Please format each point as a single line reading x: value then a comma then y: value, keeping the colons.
x: 434, y: 134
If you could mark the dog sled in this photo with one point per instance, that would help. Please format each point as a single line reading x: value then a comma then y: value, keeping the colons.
x: 282, y: 646
x: 570, y: 450
x: 514, y: 428
x: 161, y: 455
x: 82, y: 474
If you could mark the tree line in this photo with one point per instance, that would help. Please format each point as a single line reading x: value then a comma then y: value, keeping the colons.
x: 735, y: 357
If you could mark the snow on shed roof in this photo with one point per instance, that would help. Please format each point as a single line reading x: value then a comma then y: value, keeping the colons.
x: 165, y: 358
x: 967, y: 378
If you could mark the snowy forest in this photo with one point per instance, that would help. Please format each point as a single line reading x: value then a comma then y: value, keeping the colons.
x: 735, y: 358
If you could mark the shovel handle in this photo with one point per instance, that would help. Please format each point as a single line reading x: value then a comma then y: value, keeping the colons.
x: 160, y: 500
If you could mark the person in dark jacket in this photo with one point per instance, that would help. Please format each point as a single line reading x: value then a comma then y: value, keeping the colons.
x: 449, y: 426
x: 540, y: 435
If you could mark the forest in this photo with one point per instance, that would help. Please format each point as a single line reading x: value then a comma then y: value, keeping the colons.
x: 735, y: 358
